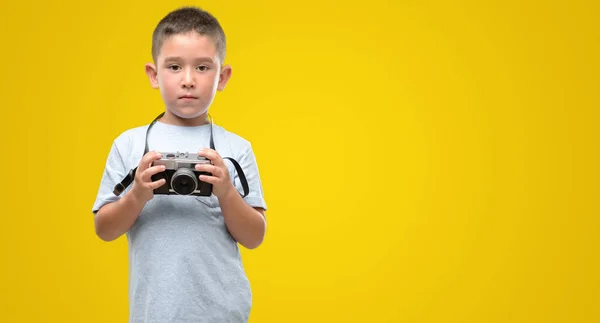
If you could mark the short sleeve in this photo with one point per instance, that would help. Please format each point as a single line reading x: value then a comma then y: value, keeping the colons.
x: 114, y: 172
x: 247, y: 161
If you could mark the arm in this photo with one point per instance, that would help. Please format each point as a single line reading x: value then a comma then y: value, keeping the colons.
x: 114, y: 219
x: 246, y: 224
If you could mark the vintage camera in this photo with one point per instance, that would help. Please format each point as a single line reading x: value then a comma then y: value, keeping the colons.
x: 181, y: 175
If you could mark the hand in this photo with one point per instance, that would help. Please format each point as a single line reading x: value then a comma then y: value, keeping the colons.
x: 220, y: 174
x: 143, y: 187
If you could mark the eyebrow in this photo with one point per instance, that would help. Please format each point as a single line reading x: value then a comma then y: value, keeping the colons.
x: 197, y: 60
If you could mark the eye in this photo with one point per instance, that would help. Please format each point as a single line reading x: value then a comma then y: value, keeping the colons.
x: 203, y: 68
x: 174, y: 67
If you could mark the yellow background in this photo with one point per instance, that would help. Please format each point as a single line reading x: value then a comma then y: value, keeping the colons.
x: 422, y: 161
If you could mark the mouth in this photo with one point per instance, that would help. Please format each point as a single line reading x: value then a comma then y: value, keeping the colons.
x: 188, y: 97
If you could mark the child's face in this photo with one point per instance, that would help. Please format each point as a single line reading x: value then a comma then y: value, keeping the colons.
x: 188, y: 73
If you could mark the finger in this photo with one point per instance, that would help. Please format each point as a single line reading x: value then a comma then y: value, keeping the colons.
x: 211, y: 154
x: 156, y: 184
x: 147, y: 174
x: 214, y: 170
x: 209, y: 179
x: 148, y: 159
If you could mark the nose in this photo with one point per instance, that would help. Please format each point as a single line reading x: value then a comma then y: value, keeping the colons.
x: 188, y: 79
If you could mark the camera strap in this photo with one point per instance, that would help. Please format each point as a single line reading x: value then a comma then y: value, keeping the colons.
x: 128, y: 179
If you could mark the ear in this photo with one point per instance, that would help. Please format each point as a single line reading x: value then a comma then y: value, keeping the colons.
x: 152, y: 73
x: 224, y: 77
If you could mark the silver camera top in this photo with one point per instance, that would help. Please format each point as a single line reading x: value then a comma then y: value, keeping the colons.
x: 176, y: 160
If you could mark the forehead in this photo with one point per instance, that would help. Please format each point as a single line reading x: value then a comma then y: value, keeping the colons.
x: 188, y: 46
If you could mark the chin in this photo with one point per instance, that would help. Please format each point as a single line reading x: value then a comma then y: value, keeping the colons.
x: 188, y: 113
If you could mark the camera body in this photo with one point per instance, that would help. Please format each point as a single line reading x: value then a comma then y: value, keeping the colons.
x: 181, y: 175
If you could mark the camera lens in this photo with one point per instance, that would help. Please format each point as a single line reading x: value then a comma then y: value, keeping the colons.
x: 184, y: 181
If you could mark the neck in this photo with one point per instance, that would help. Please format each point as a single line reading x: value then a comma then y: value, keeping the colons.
x: 172, y: 119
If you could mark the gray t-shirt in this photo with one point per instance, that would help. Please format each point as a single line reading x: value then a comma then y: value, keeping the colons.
x: 184, y: 265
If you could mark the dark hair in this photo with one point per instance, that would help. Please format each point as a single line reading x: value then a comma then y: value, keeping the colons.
x: 187, y: 19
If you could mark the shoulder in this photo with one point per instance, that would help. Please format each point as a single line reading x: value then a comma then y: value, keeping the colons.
x: 130, y: 134
x: 236, y: 143
x: 125, y: 139
x: 126, y: 143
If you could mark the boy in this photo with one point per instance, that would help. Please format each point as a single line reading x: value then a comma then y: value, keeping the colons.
x: 185, y: 263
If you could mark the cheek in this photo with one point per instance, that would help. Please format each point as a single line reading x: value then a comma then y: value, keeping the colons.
x: 213, y: 83
x: 206, y: 86
x: 167, y: 86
